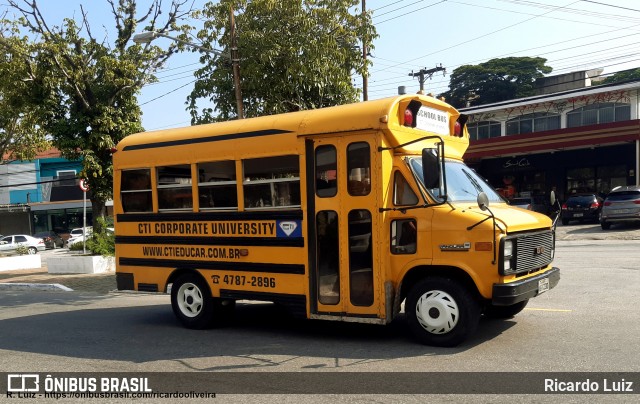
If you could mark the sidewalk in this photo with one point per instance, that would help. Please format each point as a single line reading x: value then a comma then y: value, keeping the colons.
x: 40, y: 279
x: 106, y: 282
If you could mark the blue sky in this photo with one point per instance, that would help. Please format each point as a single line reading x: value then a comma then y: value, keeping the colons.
x: 571, y: 34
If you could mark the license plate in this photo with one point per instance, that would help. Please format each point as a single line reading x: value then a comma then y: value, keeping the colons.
x: 621, y: 211
x: 577, y: 215
x: 543, y: 285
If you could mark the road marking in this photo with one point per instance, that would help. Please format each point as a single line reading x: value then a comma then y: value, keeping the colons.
x: 558, y: 310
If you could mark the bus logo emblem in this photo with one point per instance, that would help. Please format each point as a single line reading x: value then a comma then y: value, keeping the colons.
x: 288, y: 227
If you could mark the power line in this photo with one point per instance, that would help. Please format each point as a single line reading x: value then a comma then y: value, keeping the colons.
x: 167, y: 93
x: 38, y: 182
x: 401, y: 76
x: 402, y: 15
x: 611, y: 5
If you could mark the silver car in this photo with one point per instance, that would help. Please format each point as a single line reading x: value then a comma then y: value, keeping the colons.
x: 621, y: 205
x: 9, y: 244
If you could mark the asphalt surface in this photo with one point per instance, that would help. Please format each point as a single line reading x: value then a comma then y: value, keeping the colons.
x: 104, y: 283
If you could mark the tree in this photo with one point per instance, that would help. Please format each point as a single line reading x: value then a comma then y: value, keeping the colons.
x: 21, y: 138
x: 493, y: 81
x: 294, y: 55
x: 622, y: 76
x: 85, y: 88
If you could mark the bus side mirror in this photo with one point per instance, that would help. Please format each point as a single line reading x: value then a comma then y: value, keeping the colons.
x: 431, y: 168
x: 483, y: 201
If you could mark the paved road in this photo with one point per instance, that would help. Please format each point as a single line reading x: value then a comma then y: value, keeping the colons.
x: 589, y: 323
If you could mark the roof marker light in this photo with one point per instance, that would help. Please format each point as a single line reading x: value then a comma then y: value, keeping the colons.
x: 408, y: 117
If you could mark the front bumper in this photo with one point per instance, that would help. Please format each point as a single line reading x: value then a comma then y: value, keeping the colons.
x: 506, y: 294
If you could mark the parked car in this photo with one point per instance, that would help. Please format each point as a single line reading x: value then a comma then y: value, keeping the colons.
x: 581, y: 207
x: 51, y: 239
x: 9, y: 244
x: 76, y: 235
x: 534, y: 203
x: 621, y: 205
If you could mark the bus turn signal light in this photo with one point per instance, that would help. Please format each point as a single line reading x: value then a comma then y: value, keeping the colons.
x: 484, y: 246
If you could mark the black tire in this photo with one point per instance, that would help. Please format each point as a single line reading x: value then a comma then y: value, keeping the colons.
x: 191, y: 301
x: 441, y: 312
x: 504, y: 311
x: 565, y: 221
x: 605, y: 225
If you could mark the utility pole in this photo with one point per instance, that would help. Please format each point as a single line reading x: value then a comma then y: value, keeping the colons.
x: 235, y: 62
x: 365, y: 79
x: 423, y: 74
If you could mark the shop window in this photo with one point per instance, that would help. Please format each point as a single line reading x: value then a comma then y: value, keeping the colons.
x: 580, y: 180
x: 135, y: 190
x: 217, y: 185
x: 484, y: 130
x: 174, y: 188
x: 403, y: 195
x: 66, y: 178
x: 610, y: 177
x: 536, y: 122
x: 603, y: 112
x: 326, y: 171
x: 359, y: 169
x: 271, y: 182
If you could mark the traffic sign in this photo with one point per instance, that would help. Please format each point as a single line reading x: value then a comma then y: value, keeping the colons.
x: 83, y: 185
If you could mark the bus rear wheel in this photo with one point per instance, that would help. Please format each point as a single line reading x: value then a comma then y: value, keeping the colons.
x: 441, y: 312
x: 191, y: 302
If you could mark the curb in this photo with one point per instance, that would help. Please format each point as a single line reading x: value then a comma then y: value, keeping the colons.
x: 35, y: 286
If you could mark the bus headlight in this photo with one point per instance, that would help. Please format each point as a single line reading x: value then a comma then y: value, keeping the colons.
x: 508, y: 257
x: 508, y: 248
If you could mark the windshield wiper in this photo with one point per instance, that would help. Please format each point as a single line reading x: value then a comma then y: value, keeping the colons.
x: 474, y: 182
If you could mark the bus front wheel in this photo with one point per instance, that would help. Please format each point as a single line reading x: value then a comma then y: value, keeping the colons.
x: 191, y: 302
x: 441, y: 312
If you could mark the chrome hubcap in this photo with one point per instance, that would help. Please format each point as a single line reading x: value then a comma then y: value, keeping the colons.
x: 437, y: 312
x: 190, y: 299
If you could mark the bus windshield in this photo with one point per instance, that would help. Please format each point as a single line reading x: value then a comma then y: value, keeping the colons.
x: 463, y: 184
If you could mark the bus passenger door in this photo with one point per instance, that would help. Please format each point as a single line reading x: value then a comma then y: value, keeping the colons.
x: 344, y: 275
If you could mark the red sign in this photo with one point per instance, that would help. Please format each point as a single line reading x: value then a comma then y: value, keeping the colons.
x: 83, y: 185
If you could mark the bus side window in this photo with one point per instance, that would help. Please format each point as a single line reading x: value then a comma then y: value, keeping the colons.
x: 359, y: 169
x: 135, y: 190
x: 404, y: 236
x: 403, y: 195
x: 217, y: 185
x: 271, y: 182
x: 174, y: 187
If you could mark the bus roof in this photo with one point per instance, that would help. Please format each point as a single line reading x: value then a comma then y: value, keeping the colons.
x: 385, y: 114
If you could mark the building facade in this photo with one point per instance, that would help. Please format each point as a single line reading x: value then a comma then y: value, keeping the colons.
x: 41, y: 195
x: 584, y: 139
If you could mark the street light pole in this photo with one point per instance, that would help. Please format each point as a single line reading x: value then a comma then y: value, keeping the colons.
x: 148, y: 36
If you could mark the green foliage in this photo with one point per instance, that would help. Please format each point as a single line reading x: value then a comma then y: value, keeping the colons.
x: 625, y: 75
x: 102, y: 243
x: 22, y: 249
x: 79, y: 246
x: 494, y: 81
x: 84, y: 88
x: 293, y: 55
x: 21, y: 138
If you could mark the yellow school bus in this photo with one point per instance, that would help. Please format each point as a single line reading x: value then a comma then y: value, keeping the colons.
x: 343, y: 213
